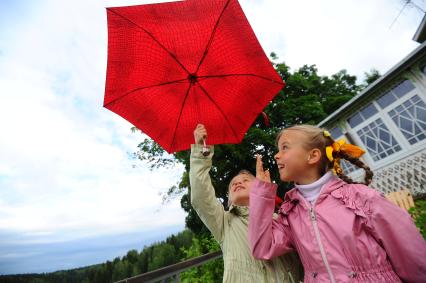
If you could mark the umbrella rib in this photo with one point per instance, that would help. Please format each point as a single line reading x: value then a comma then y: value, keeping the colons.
x: 153, y: 38
x: 220, y: 110
x: 230, y: 75
x: 180, y: 114
x: 144, y: 87
x: 209, y: 43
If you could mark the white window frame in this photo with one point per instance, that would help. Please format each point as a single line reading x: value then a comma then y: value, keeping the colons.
x: 390, y: 124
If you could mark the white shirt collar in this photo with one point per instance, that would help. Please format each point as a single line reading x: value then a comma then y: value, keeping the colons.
x: 311, y: 191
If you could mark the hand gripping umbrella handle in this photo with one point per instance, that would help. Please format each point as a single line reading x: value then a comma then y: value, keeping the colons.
x: 206, y: 150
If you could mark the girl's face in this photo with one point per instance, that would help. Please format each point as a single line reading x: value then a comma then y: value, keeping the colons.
x: 239, y: 190
x: 292, y: 158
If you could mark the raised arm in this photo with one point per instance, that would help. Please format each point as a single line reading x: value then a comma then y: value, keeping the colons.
x: 203, y: 198
x: 268, y: 237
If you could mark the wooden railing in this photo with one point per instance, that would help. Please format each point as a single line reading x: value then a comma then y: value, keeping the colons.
x: 402, y: 198
x: 172, y: 271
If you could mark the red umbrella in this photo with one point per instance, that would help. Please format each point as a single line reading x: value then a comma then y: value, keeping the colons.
x: 174, y: 65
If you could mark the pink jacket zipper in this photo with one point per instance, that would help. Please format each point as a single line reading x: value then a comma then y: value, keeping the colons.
x: 318, y: 237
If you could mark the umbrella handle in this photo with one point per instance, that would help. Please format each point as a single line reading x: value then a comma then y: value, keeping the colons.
x: 206, y: 150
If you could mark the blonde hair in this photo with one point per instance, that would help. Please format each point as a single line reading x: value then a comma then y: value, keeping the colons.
x: 315, y: 138
x: 242, y: 172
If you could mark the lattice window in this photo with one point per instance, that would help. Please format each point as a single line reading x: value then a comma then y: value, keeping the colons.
x: 365, y: 113
x: 410, y: 117
x: 378, y: 139
x: 395, y: 93
x: 336, y: 132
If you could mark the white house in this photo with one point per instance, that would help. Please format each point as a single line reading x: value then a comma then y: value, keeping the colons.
x: 388, y: 119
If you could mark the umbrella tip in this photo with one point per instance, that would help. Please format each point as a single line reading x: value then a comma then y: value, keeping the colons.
x: 192, y: 77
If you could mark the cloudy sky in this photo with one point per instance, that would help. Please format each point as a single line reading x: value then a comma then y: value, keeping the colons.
x: 70, y: 195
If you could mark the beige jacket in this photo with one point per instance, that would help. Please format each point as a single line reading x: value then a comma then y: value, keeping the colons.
x: 230, y: 229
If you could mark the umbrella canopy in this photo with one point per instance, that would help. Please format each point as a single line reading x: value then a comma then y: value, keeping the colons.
x: 174, y: 65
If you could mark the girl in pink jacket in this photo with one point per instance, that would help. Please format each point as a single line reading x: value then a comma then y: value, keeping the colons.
x: 343, y: 231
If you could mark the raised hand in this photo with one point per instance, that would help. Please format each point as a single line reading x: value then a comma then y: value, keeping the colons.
x: 200, y: 134
x: 262, y: 174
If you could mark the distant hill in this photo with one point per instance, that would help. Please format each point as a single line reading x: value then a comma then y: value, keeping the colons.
x: 133, y: 263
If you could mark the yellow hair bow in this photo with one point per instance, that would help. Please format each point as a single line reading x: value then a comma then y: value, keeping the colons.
x: 327, y: 134
x: 341, y: 146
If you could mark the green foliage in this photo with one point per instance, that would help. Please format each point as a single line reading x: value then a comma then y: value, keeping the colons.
x: 419, y: 215
x: 153, y: 154
x: 120, y: 271
x: 371, y: 76
x: 162, y: 256
x: 211, y: 271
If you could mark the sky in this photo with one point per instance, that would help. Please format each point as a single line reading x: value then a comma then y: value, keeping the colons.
x: 71, y: 195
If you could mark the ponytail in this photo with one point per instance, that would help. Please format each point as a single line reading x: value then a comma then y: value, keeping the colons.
x: 341, y: 150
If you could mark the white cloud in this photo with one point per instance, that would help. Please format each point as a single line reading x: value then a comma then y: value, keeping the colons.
x: 334, y: 35
x: 64, y: 158
x: 65, y: 176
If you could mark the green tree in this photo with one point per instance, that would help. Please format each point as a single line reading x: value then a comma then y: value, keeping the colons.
x: 143, y: 260
x: 211, y: 271
x: 121, y: 270
x: 370, y: 77
x: 132, y: 256
x: 163, y: 255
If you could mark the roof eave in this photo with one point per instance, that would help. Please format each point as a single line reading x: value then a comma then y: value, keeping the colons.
x: 420, y: 35
x: 387, y: 77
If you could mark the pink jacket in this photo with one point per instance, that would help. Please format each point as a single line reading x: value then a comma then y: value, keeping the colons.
x: 350, y: 234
